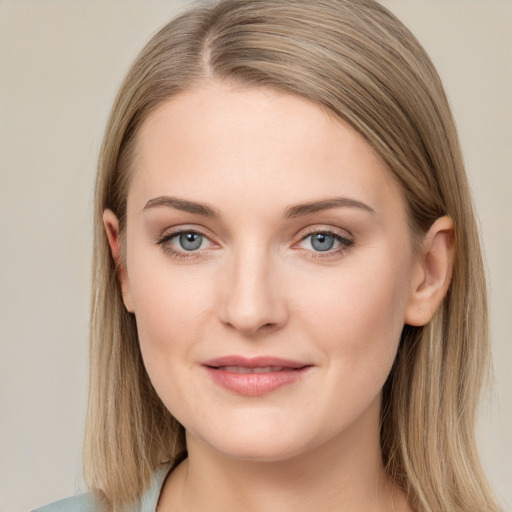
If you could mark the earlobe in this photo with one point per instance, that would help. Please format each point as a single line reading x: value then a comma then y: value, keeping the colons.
x: 111, y: 223
x: 433, y: 272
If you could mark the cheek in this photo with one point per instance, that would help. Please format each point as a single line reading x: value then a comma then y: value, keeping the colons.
x: 357, y: 316
x: 167, y: 314
x: 170, y: 314
x: 170, y: 308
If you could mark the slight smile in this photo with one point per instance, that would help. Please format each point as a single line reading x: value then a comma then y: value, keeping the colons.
x: 255, y: 376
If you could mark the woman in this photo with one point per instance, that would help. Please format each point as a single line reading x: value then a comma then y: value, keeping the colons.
x: 289, y: 305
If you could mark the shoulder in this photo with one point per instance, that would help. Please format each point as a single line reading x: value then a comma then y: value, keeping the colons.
x: 81, y: 503
x: 88, y: 503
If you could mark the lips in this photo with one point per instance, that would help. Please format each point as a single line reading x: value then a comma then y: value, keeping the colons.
x: 255, y: 376
x: 245, y: 369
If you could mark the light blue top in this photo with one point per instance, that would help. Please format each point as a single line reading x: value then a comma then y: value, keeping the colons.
x: 87, y: 503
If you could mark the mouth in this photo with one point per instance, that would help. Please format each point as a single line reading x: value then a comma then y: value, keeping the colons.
x: 261, y: 369
x: 255, y: 376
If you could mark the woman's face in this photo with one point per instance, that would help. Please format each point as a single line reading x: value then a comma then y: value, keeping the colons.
x: 269, y: 267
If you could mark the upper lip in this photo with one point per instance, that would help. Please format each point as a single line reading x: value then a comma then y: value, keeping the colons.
x: 254, y: 362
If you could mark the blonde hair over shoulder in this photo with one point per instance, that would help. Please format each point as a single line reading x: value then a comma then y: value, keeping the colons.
x: 356, y: 59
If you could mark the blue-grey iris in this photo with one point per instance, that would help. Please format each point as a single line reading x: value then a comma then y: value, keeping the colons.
x: 322, y: 242
x: 190, y: 241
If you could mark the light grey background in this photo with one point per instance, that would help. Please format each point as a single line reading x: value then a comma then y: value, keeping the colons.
x: 60, y: 65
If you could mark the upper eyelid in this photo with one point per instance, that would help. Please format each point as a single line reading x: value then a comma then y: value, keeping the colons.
x: 334, y: 231
x: 342, y: 235
x: 172, y: 232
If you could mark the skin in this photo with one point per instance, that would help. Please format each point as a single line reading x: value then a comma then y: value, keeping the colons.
x: 258, y: 286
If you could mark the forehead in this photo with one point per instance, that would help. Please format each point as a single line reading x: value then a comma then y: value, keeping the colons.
x: 241, y: 145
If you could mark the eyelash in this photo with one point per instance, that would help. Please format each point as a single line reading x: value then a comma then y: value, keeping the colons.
x: 180, y: 255
x: 345, y: 244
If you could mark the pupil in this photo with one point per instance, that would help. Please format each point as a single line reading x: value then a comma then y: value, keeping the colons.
x: 322, y: 242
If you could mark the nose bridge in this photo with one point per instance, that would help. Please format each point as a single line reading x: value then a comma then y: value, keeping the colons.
x: 253, y: 295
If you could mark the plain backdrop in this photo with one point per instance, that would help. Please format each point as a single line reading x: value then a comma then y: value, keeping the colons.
x: 61, y: 63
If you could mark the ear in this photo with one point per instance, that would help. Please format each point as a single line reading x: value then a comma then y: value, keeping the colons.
x: 433, y: 272
x: 111, y: 224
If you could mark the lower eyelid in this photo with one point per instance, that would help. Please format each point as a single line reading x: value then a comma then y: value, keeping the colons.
x: 180, y: 254
x: 345, y: 244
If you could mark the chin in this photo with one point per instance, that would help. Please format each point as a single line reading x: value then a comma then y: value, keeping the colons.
x: 263, y: 452
x: 266, y: 443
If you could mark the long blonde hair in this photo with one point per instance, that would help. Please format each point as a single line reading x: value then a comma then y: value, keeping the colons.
x: 359, y: 61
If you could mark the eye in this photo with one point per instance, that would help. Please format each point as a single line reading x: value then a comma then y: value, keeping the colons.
x: 324, y: 241
x: 184, y: 243
x: 190, y: 241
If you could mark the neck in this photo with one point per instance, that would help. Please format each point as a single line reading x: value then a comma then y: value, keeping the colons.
x: 344, y: 474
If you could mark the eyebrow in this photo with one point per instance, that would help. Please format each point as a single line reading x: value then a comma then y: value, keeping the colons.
x: 300, y: 210
x: 183, y: 205
x: 291, y: 212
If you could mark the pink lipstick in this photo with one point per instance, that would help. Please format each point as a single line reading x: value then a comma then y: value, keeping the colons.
x: 254, y: 376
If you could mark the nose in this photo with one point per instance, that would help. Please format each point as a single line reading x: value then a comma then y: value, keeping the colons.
x: 253, y: 295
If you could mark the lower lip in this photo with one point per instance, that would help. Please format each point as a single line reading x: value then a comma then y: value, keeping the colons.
x: 255, y: 384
